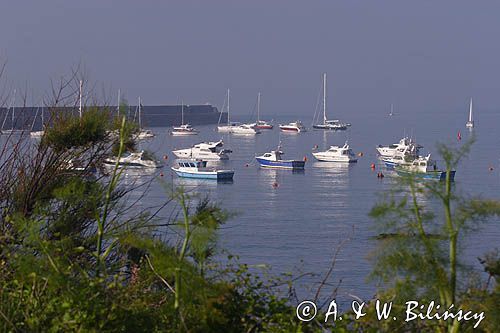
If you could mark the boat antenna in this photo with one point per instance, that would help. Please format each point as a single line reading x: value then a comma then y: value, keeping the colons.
x: 118, y: 104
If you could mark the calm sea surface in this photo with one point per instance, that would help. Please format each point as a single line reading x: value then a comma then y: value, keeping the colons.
x: 300, y: 223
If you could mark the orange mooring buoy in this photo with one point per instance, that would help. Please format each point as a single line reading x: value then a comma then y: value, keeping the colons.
x: 372, y: 166
x: 276, y: 185
x: 305, y: 158
x: 165, y: 157
x: 360, y: 154
x: 161, y: 174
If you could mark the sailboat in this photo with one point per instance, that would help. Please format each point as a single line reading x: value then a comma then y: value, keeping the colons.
x: 37, y: 134
x: 184, y: 129
x: 329, y: 124
x: 261, y: 124
x: 470, y: 122
x: 235, y: 127
x: 142, y: 133
x: 12, y: 130
x: 392, y: 111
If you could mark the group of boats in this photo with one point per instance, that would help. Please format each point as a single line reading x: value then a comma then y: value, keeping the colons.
x: 405, y: 159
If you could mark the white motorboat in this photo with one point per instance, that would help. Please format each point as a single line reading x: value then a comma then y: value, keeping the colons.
x: 295, y: 126
x: 423, y: 167
x: 336, y: 154
x: 470, y: 121
x: 211, y: 151
x: 183, y: 129
x: 197, y: 169
x: 335, y: 125
x: 235, y: 127
x: 406, y: 145
x: 134, y: 160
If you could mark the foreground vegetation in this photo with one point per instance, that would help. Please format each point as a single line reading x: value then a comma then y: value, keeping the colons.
x: 76, y: 256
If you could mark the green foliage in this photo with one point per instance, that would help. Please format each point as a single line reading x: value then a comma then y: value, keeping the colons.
x: 68, y: 131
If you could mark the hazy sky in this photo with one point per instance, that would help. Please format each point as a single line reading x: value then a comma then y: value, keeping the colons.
x: 421, y: 55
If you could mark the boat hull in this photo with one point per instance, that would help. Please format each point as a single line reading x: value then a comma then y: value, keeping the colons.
x: 330, y: 127
x: 214, y: 175
x: 291, y: 165
x: 329, y: 158
x: 183, y: 133
x: 433, y: 175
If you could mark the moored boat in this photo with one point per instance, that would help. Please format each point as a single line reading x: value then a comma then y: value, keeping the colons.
x: 336, y: 154
x: 183, y: 129
x: 423, y: 167
x: 335, y: 124
x: 205, y: 150
x: 296, y: 127
x: 470, y: 121
x: 192, y: 168
x: 134, y: 160
x: 274, y: 160
x: 404, y: 145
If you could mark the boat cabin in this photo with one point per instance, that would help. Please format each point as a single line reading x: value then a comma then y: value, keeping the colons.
x: 274, y: 155
x: 192, y: 164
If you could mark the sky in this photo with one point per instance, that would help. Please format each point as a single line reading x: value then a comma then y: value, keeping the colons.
x: 419, y: 55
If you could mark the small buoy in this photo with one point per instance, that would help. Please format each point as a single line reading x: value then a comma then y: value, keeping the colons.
x: 161, y: 174
x: 275, y: 184
x: 315, y: 147
x: 491, y: 168
x: 305, y: 158
x: 372, y: 166
x: 246, y: 165
x: 360, y: 154
x: 381, y: 175
x: 165, y: 157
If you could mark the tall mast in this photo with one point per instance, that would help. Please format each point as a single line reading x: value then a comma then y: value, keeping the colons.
x: 140, y: 109
x: 80, y: 100
x: 258, y: 107
x: 182, y: 113
x: 13, y: 109
x: 324, y: 98
x: 470, y: 110
x: 118, y: 105
x: 228, y: 106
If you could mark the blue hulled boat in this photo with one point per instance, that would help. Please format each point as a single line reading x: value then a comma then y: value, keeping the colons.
x: 198, y: 169
x: 423, y: 167
x: 273, y: 160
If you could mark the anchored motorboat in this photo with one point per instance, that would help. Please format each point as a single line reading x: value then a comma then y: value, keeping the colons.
x: 423, y: 167
x: 205, y: 151
x: 193, y: 168
x: 404, y: 145
x: 295, y: 126
x: 140, y: 159
x: 273, y: 160
x: 183, y: 129
x: 336, y: 154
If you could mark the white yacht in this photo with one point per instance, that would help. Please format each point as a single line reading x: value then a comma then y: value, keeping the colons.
x: 235, y: 127
x: 183, y: 129
x: 400, y: 147
x: 470, y: 122
x: 336, y: 154
x: 134, y: 160
x: 295, y: 126
x: 211, y: 151
x: 37, y: 134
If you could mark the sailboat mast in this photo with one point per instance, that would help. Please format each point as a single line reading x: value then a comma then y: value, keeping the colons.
x: 470, y: 110
x: 324, y: 98
x: 182, y: 113
x: 228, y: 106
x: 118, y: 104
x: 258, y: 107
x: 13, y: 109
x: 80, y: 100
x: 140, y: 111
